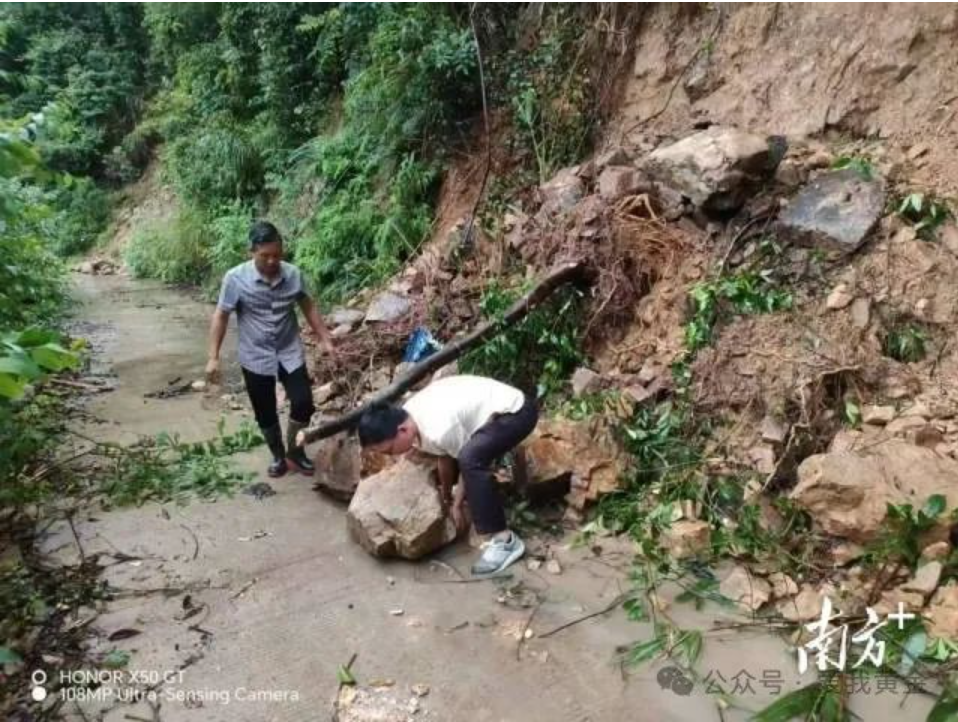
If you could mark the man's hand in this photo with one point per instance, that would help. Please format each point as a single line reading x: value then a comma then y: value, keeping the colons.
x: 213, y: 371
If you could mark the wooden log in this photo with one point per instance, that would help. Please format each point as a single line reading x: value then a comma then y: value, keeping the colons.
x: 541, y: 291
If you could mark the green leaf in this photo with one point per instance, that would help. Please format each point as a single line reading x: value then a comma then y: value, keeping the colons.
x: 53, y: 357
x: 11, y: 387
x: 934, y: 506
x: 9, y: 656
x: 116, y: 659
x: 945, y: 710
x: 645, y: 651
x: 345, y: 676
x: 19, y: 365
x: 801, y: 703
x: 35, y: 337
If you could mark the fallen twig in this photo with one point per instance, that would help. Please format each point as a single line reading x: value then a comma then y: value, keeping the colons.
x: 617, y: 602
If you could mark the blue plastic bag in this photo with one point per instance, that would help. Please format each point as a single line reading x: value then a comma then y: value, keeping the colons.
x: 420, y: 345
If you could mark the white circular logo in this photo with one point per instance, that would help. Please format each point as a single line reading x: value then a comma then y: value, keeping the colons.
x: 39, y: 677
x: 39, y: 694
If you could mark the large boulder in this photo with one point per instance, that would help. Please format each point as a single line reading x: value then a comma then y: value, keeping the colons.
x: 836, y: 211
x: 716, y: 169
x: 588, y: 458
x: 397, y: 512
x: 388, y: 307
x: 339, y: 465
x: 847, y: 493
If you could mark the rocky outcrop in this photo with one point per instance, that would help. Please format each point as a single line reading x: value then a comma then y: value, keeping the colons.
x: 847, y: 493
x: 716, y: 169
x: 397, y: 512
x: 587, y: 456
x: 387, y: 307
x: 836, y: 211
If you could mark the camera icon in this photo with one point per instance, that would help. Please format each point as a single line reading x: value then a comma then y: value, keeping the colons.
x: 675, y: 679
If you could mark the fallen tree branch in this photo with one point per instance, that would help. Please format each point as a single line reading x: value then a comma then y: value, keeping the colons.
x: 541, y: 291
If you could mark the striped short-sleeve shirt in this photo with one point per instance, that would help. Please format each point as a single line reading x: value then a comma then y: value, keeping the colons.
x: 265, y: 316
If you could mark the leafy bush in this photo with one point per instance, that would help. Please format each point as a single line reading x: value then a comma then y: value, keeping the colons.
x: 539, y: 352
x: 215, y: 166
x: 174, y: 251
x: 906, y: 343
x: 230, y: 233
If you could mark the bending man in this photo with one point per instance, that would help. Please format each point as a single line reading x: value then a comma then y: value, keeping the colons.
x: 468, y: 422
x: 264, y: 292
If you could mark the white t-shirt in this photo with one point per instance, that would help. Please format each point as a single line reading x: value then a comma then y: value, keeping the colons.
x: 449, y: 411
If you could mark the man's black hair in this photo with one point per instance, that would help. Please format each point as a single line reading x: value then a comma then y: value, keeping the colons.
x: 380, y: 423
x: 263, y: 232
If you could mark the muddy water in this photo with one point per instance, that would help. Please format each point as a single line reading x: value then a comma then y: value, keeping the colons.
x: 284, y: 597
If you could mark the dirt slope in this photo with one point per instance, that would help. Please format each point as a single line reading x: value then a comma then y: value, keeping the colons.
x: 883, y: 70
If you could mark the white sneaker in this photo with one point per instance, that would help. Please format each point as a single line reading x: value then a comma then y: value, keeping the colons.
x: 497, y: 554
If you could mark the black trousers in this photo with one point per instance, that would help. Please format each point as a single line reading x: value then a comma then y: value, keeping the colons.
x: 499, y: 435
x: 262, y: 394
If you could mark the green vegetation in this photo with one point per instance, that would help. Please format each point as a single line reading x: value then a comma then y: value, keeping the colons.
x: 906, y: 342
x: 862, y: 166
x: 539, y: 352
x: 745, y: 293
x: 924, y: 212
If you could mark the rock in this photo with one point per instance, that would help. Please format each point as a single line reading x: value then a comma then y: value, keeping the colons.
x: 905, y: 425
x: 839, y: 298
x: 87, y: 267
x: 387, y: 307
x: 638, y: 394
x: 803, y: 607
x: 790, y: 174
x: 918, y: 409
x: 845, y: 553
x: 716, y: 169
x: 450, y: 369
x: 322, y: 394
x: 745, y: 589
x: 374, y: 704
x: 891, y: 598
x: 936, y: 551
x: 341, y: 331
x: 773, y: 431
x: 585, y: 381
x: 861, y: 313
x: 686, y: 538
x: 420, y: 689
x: 926, y: 579
x: 942, y: 612
x: 614, y: 156
x: 553, y: 567
x: 878, y: 415
x: 339, y: 465
x: 344, y: 316
x: 948, y: 235
x: 562, y: 192
x: 763, y: 458
x: 649, y: 372
x: 617, y: 182
x: 835, y: 211
x: 588, y: 460
x: 782, y: 585
x: 819, y: 159
x: 847, y: 493
x: 397, y: 512
x: 198, y: 386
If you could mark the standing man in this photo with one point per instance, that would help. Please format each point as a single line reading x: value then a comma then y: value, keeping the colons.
x: 264, y: 292
x: 468, y: 422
